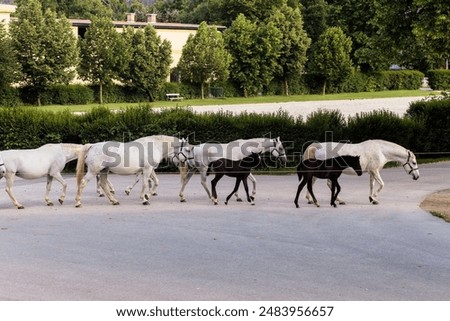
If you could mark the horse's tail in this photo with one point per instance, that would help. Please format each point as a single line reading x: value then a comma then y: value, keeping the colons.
x: 81, y: 161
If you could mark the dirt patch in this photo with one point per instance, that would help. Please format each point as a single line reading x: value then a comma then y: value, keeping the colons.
x: 438, y: 204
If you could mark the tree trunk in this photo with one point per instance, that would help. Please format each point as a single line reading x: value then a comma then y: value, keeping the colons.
x: 202, y: 89
x: 286, y: 87
x: 324, y: 87
x: 100, y: 93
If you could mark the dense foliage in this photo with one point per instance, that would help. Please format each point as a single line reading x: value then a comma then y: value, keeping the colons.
x: 424, y: 129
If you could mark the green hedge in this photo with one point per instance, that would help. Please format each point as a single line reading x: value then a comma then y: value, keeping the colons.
x: 439, y: 79
x: 399, y: 79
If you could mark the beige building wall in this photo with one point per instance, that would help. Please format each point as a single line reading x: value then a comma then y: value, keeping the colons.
x: 5, y: 13
x: 176, y: 33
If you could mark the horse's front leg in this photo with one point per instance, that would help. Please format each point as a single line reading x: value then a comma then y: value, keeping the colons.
x: 334, y: 193
x: 250, y: 199
x: 9, y: 184
x: 213, y: 188
x: 155, y: 181
x: 341, y: 202
x: 184, y: 181
x: 203, y: 180
x: 48, y: 189
x: 375, y: 176
x: 130, y: 187
x: 63, y: 183
x: 145, y: 177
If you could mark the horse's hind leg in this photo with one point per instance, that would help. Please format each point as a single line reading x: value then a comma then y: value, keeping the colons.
x: 310, y: 190
x: 375, y: 176
x: 308, y: 194
x: 9, y: 184
x: 63, y: 183
x: 299, y: 189
x: 334, y: 192
x: 104, y: 186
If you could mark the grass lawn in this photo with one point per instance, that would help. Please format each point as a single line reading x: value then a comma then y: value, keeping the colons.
x: 251, y: 100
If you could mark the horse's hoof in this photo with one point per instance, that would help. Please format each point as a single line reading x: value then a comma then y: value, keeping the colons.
x: 154, y: 194
x: 342, y: 203
x: 78, y: 205
x: 238, y: 199
x: 317, y: 204
x: 226, y: 203
x: 127, y: 192
x: 183, y: 200
x: 375, y: 202
x: 101, y: 195
x: 310, y: 202
x: 296, y: 205
x: 252, y: 203
x: 116, y: 203
x: 61, y: 201
x: 334, y: 205
x: 146, y: 203
x: 252, y: 198
x: 20, y: 207
x: 49, y: 204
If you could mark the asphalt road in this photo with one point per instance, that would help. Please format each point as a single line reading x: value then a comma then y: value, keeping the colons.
x: 197, y: 251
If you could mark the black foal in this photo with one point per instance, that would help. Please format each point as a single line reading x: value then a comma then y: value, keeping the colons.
x: 331, y: 168
x: 240, y: 169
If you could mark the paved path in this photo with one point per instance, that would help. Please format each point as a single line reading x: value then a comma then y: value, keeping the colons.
x: 397, y: 105
x: 197, y: 251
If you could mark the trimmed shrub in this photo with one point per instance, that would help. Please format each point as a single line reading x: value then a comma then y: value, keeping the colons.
x: 380, y: 124
x: 433, y: 117
x: 439, y: 79
x: 399, y: 79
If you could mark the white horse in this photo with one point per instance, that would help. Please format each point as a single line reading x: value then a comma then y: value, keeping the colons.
x: 374, y: 154
x: 200, y: 156
x: 47, y: 160
x: 2, y: 167
x: 139, y: 156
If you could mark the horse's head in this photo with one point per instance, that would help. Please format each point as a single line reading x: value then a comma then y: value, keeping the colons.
x: 278, y: 151
x: 2, y: 167
x: 184, y: 153
x: 411, y: 166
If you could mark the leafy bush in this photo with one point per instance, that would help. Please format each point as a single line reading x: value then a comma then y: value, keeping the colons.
x: 439, y: 79
x: 433, y: 117
x: 399, y: 79
x: 380, y: 124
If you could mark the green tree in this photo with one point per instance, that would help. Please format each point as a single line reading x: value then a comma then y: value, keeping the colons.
x: 295, y: 43
x: 100, y: 53
x: 255, y: 49
x: 432, y: 27
x: 331, y: 57
x: 9, y: 66
x: 315, y: 16
x: 149, y: 64
x: 394, y: 40
x: 45, y: 46
x: 204, y: 59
